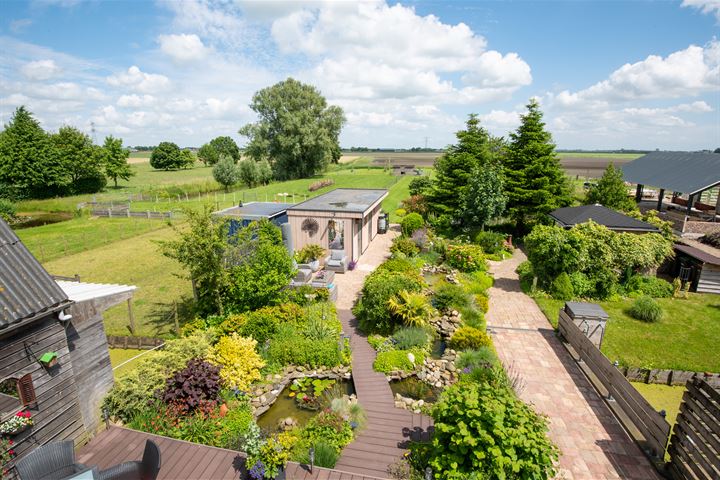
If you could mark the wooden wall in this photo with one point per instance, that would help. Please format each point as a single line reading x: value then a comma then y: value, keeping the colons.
x: 709, y: 281
x: 301, y: 238
x: 57, y: 415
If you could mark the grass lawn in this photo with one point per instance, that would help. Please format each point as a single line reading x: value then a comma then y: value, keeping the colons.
x: 57, y: 240
x: 133, y: 261
x: 662, y: 397
x: 685, y: 338
x: 120, y: 355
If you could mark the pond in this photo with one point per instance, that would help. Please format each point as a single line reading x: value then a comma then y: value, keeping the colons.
x: 36, y: 219
x: 438, y: 348
x: 416, y: 389
x: 432, y: 278
x: 286, y: 406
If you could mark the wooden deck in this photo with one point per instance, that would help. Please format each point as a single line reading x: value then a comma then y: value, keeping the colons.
x: 180, y: 459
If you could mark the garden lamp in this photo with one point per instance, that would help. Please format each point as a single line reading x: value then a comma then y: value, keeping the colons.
x: 428, y: 473
x: 312, y: 459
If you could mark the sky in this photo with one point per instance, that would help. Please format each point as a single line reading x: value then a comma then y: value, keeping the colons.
x: 608, y: 74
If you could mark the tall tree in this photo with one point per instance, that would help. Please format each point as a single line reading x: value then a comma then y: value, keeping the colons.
x: 226, y: 148
x: 611, y: 191
x: 535, y: 182
x: 226, y: 173
x: 248, y: 172
x: 28, y: 163
x: 484, y: 198
x: 454, y: 168
x: 80, y: 160
x: 297, y: 131
x: 167, y: 156
x: 207, y: 154
x: 114, y: 158
x: 187, y: 157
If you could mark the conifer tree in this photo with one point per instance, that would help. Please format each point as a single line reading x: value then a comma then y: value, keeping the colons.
x: 611, y: 191
x: 534, y: 181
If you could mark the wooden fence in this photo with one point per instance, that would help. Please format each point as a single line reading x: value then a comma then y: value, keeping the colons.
x: 127, y: 213
x: 651, y: 425
x: 695, y: 444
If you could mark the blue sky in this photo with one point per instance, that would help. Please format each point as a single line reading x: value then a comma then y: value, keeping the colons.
x: 608, y: 74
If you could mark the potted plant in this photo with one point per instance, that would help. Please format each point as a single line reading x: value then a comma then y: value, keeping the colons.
x: 17, y: 424
x: 6, y: 454
x: 311, y: 255
x: 49, y: 359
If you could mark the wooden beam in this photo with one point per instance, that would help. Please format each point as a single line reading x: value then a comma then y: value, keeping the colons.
x: 660, y: 199
x: 638, y: 193
x: 691, y: 198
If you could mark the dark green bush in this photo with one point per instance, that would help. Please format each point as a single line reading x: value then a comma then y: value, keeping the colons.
x: 491, y: 242
x: 526, y: 274
x: 299, y: 350
x: 380, y: 286
x: 7, y: 210
x: 419, y: 185
x: 650, y: 286
x: 465, y: 257
x: 467, y: 337
x: 582, y: 286
x: 646, y: 309
x: 263, y: 323
x: 405, y: 246
x: 474, y: 418
x: 473, y: 317
x: 411, y: 222
x: 448, y: 296
x: 562, y: 288
x: 411, y: 337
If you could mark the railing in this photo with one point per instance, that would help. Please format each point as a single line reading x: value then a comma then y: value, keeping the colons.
x: 651, y: 424
x: 695, y: 444
x: 127, y: 213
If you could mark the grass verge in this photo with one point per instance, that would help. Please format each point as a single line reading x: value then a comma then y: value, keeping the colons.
x: 662, y: 397
x: 120, y: 355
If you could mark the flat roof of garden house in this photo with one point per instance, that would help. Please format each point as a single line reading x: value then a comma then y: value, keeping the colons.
x: 684, y: 172
x: 347, y: 200
x: 255, y: 210
x: 585, y: 309
x: 569, y: 216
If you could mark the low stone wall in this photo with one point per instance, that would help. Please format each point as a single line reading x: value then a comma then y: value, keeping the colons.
x: 701, y: 227
x: 668, y: 377
x: 447, y: 323
x: 264, y: 395
x: 438, y: 373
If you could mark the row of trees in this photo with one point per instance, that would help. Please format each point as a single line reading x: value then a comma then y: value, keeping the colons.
x: 483, y: 177
x: 35, y: 163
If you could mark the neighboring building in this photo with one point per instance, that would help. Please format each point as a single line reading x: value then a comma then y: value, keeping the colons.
x: 39, y: 315
x: 342, y: 219
x: 245, y: 213
x: 698, y: 264
x: 568, y: 217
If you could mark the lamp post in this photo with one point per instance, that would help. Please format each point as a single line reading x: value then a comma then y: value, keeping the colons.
x: 428, y: 473
x: 312, y: 459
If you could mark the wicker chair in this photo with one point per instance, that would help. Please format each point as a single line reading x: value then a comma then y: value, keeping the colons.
x: 51, y: 461
x: 146, y: 469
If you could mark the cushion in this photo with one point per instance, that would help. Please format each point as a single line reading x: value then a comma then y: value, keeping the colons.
x: 334, y: 263
x: 337, y: 254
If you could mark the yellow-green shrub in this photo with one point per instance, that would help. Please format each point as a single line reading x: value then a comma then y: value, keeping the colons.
x: 469, y: 337
x: 240, y: 363
x: 482, y: 302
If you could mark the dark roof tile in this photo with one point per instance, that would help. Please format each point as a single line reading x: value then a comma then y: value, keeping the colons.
x: 613, y: 220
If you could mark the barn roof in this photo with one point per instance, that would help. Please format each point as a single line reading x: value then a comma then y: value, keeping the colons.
x: 685, y: 172
x: 26, y: 288
x: 569, y: 216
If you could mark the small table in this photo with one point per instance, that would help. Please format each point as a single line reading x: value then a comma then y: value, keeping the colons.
x: 328, y: 277
x: 86, y: 473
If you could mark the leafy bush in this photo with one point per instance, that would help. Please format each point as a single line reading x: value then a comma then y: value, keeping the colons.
x: 405, y: 246
x: 562, y: 288
x: 398, y: 264
x: 490, y: 242
x: 330, y: 427
x: 479, y: 428
x: 469, y: 337
x: 482, y: 302
x: 420, y: 185
x: 650, y: 286
x: 400, y: 212
x: 411, y: 337
x: 326, y: 454
x: 309, y: 253
x: 263, y: 323
x: 413, y: 309
x: 526, y: 274
x: 646, y: 309
x: 582, y: 286
x: 136, y: 387
x: 477, y: 282
x: 393, y: 360
x: 321, y: 184
x: 466, y: 258
x: 416, y: 204
x: 473, y: 317
x: 411, y: 222
x: 195, y: 386
x: 299, y: 350
x: 240, y: 363
x: 422, y: 238
x: 7, y: 210
x: 448, y: 296
x: 480, y: 357
x: 372, y: 309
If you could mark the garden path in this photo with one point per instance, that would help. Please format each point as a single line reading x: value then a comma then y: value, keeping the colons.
x: 593, y: 444
x: 388, y: 428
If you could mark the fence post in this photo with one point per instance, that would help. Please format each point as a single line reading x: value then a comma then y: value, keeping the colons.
x: 109, y: 213
x: 131, y: 318
x: 148, y: 213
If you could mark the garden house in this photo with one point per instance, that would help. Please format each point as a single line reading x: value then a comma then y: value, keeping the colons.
x: 344, y: 221
x: 692, y: 178
x: 570, y: 216
x: 699, y: 265
x: 243, y: 214
x: 54, y: 358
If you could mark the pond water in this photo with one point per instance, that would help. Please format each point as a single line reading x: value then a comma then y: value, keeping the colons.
x: 432, y: 278
x: 438, y: 348
x: 416, y: 389
x: 286, y: 406
x: 40, y: 218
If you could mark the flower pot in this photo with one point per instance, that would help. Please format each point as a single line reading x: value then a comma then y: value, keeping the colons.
x: 19, y: 430
x: 315, y: 265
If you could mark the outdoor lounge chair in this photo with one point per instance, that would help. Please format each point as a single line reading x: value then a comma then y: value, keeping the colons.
x: 336, y: 261
x: 147, y: 469
x: 51, y: 461
x: 303, y: 275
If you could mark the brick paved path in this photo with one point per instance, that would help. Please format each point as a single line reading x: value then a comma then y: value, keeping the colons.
x: 594, y: 446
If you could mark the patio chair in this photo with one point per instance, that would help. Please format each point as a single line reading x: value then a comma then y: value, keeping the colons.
x: 146, y: 469
x: 303, y: 275
x: 336, y: 261
x: 51, y: 461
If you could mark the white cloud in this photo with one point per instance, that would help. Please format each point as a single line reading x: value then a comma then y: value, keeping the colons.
x: 135, y: 101
x: 40, y: 69
x: 140, y: 81
x: 705, y: 6
x: 183, y: 48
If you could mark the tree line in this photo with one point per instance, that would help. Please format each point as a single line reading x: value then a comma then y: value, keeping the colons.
x: 35, y: 163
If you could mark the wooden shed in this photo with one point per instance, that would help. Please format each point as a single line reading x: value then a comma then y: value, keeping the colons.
x: 40, y: 319
x: 699, y: 265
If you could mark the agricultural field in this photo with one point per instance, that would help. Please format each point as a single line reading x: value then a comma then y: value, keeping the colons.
x: 684, y: 339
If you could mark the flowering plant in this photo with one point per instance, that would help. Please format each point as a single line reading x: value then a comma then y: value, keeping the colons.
x: 6, y: 454
x: 18, y: 422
